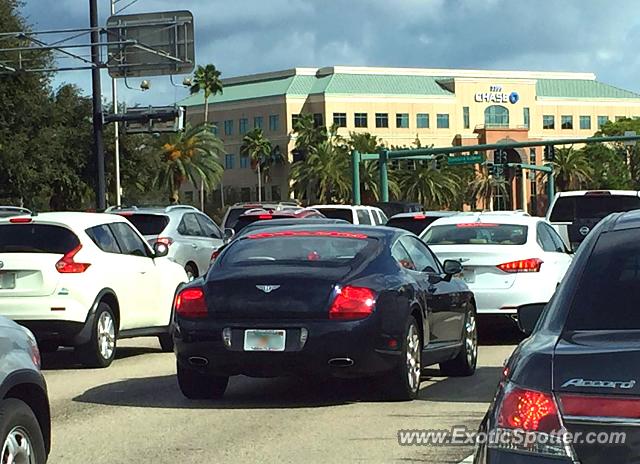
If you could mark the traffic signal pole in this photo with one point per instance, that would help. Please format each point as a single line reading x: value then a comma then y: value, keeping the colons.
x: 98, y: 141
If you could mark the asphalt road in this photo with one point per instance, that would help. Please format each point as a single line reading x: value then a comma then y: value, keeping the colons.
x: 133, y: 412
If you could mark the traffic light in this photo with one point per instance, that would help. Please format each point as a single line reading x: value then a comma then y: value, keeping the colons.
x: 549, y: 153
x: 499, y: 157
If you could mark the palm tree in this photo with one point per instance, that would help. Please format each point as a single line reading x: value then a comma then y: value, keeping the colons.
x: 275, y: 158
x: 206, y: 79
x: 325, y: 170
x: 434, y: 188
x: 192, y: 155
x: 258, y: 148
x: 571, y: 169
x: 485, y: 186
x: 307, y: 133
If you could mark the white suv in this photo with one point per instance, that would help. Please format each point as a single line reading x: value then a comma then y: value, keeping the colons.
x: 362, y: 215
x: 509, y: 259
x: 85, y: 280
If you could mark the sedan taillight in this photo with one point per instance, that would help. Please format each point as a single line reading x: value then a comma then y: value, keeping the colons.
x: 522, y: 265
x: 351, y: 303
x: 67, y: 265
x: 190, y: 303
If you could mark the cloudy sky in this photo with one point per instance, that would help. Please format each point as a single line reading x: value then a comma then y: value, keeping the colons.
x: 247, y: 36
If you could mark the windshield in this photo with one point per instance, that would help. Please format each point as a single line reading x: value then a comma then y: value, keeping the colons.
x: 36, y: 238
x: 148, y: 224
x: 569, y: 209
x: 311, y: 248
x: 476, y: 234
x: 337, y: 213
x: 614, y: 265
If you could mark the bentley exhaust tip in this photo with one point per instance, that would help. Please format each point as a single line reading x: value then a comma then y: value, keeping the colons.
x: 341, y: 362
x: 198, y: 361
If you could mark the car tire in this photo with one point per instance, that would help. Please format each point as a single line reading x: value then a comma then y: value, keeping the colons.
x: 404, y: 381
x: 100, y: 350
x: 20, y: 433
x: 198, y: 386
x: 191, y: 270
x: 464, y: 364
x: 166, y: 342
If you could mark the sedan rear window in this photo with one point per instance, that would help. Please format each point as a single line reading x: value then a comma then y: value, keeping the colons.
x: 297, y: 248
x: 148, y: 224
x: 36, y: 238
x: 412, y: 224
x: 569, y: 209
x: 337, y: 213
x: 476, y: 233
x: 609, y: 289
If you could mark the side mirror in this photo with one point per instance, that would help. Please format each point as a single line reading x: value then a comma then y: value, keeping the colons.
x: 160, y: 249
x: 228, y: 234
x: 452, y: 267
x: 528, y: 316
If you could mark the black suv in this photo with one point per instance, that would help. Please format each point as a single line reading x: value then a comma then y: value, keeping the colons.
x: 571, y: 391
x: 25, y: 420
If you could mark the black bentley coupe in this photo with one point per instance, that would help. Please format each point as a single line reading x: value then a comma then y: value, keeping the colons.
x: 324, y: 300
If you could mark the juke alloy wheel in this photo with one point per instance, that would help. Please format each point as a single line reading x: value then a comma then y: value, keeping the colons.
x: 100, y: 350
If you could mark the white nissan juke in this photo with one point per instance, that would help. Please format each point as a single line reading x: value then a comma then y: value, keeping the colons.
x: 85, y: 280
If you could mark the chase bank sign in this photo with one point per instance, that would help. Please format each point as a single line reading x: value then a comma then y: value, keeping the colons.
x: 496, y: 95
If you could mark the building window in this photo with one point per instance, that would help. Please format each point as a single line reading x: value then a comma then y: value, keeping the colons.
x: 602, y: 120
x: 532, y: 155
x: 465, y: 117
x: 566, y: 121
x: 340, y: 119
x: 228, y: 127
x: 442, y: 121
x: 245, y: 194
x: 496, y: 116
x: 548, y: 121
x: 527, y: 118
x: 422, y: 120
x: 229, y: 161
x: 244, y: 161
x: 585, y: 122
x: 274, y: 122
x: 360, y: 119
x: 620, y: 118
x: 318, y: 119
x: 243, y: 125
x: 257, y: 122
x: 275, y: 193
x: 382, y: 120
x: 402, y: 120
x: 214, y: 128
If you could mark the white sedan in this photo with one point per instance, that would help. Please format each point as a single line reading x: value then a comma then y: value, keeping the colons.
x: 509, y: 259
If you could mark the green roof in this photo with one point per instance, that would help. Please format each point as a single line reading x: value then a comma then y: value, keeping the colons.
x: 579, y: 88
x: 376, y: 84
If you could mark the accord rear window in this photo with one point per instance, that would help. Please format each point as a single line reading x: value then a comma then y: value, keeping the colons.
x: 412, y: 224
x: 36, y: 238
x: 609, y: 289
x: 476, y: 233
x: 277, y: 248
x: 337, y: 213
x: 148, y: 224
x: 569, y: 209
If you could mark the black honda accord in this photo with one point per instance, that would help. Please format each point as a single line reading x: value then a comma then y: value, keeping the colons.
x: 324, y: 300
x: 570, y: 393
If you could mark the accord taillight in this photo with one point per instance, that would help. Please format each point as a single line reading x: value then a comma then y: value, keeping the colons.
x: 351, y: 303
x: 190, y: 303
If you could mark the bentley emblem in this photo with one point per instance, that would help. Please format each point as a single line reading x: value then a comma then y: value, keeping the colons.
x: 267, y: 288
x: 584, y: 230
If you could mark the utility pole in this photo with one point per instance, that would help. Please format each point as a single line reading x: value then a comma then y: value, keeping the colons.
x: 98, y: 142
x: 114, y: 96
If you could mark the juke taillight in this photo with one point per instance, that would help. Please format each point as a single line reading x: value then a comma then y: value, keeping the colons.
x: 190, y: 303
x: 67, y: 264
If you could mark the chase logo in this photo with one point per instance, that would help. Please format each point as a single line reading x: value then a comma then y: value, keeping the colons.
x: 514, y: 97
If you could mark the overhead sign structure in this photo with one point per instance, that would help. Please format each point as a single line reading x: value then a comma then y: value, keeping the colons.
x: 473, y: 158
x: 150, y: 44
